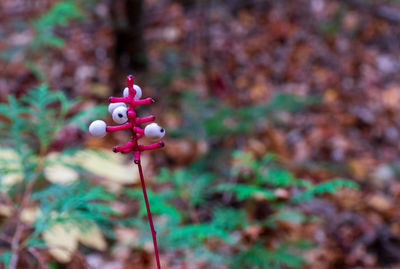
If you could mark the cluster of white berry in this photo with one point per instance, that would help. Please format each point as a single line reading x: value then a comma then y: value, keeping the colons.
x: 119, y: 113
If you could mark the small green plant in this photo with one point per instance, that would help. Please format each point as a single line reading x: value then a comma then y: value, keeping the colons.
x: 45, y: 35
x: 38, y: 209
x: 60, y: 14
x: 199, y: 211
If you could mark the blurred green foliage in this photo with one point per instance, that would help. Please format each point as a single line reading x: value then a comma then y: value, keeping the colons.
x: 28, y: 127
x: 46, y: 36
x: 60, y: 14
x: 79, y: 204
x: 252, y: 181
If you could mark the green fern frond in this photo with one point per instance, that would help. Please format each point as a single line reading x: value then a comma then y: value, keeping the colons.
x: 195, y: 234
x: 59, y: 14
x: 229, y: 219
x: 285, y: 255
x: 330, y: 186
x: 277, y: 177
x: 5, y: 258
x: 190, y: 186
x: 287, y: 215
x: 159, y: 205
x: 78, y: 202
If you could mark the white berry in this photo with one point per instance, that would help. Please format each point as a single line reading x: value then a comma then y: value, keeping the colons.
x: 113, y: 106
x: 154, y: 131
x: 138, y: 90
x: 120, y: 115
x: 98, y: 128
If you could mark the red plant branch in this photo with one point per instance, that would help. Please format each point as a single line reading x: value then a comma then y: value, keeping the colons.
x: 134, y: 146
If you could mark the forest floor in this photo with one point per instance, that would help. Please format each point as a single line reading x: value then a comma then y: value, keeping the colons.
x: 344, y: 53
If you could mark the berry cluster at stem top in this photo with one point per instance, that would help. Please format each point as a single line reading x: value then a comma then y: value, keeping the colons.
x: 123, y: 112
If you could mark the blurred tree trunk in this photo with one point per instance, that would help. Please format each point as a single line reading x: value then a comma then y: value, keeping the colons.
x: 130, y: 52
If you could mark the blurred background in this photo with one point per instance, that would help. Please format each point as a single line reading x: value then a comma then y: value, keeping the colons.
x: 282, y: 133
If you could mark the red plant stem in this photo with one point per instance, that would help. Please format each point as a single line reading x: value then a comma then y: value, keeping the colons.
x: 157, y: 145
x: 145, y: 119
x: 134, y: 146
x: 119, y: 127
x: 149, y: 216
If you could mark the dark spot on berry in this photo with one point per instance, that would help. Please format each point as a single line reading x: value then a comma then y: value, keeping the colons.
x: 120, y: 115
x: 162, y: 130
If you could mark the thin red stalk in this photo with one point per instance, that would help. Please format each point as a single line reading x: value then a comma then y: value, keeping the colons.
x: 149, y: 216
